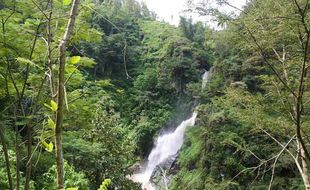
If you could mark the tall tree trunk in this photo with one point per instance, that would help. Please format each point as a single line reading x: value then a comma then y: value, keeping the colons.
x: 49, y: 51
x: 29, y: 153
x: 305, y: 176
x: 60, y: 97
x: 16, y: 150
x: 6, y: 157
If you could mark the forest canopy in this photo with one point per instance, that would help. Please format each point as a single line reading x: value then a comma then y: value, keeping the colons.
x: 87, y: 86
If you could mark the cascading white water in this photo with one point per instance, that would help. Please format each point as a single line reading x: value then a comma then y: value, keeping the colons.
x: 205, y: 78
x: 168, y: 144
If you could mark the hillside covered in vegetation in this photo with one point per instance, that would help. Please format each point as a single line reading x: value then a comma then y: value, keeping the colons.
x: 88, y: 85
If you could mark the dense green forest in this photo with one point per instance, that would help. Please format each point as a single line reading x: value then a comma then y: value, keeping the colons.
x: 88, y: 85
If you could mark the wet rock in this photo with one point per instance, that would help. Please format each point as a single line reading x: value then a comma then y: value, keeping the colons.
x: 164, y: 171
x: 135, y: 168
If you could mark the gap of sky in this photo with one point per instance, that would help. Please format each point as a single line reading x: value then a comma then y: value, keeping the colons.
x: 170, y: 10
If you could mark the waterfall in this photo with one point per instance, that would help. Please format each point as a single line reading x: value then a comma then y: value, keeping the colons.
x: 167, y: 145
x: 205, y: 78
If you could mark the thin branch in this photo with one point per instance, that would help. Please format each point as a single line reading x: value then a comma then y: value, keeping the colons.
x: 276, y: 160
x: 261, y: 52
x: 118, y: 29
x: 40, y: 9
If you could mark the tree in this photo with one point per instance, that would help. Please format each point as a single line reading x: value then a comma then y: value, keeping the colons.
x: 289, y: 66
x: 61, y: 94
x: 6, y: 156
x: 285, y: 58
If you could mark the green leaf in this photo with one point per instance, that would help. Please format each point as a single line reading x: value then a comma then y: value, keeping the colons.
x: 51, y: 123
x: 71, y: 69
x: 104, y: 83
x: 27, y: 62
x: 72, y: 188
x: 20, y: 123
x: 54, y: 106
x: 120, y: 91
x: 87, y: 62
x: 74, y: 60
x: 105, y: 184
x: 44, y: 143
x: 48, y: 146
x: 67, y: 2
x: 48, y: 106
